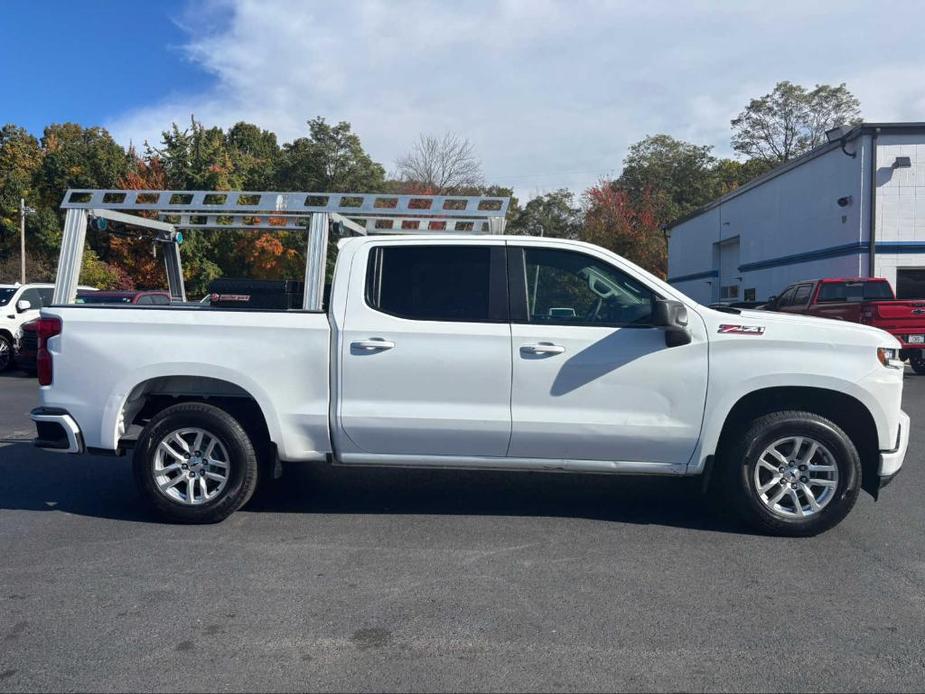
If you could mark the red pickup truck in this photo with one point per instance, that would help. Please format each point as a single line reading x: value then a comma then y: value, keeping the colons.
x: 868, y: 300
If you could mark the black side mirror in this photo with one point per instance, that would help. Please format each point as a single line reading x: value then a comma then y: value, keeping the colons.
x: 772, y: 302
x: 671, y: 315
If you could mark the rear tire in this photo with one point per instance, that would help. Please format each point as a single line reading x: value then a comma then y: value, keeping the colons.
x: 792, y: 474
x: 194, y: 463
x: 6, y: 353
x: 917, y: 362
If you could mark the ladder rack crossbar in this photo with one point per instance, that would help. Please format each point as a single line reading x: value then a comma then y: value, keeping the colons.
x: 288, y: 222
x: 253, y: 202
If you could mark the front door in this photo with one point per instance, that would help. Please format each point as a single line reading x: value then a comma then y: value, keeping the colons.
x: 425, y: 365
x: 592, y: 379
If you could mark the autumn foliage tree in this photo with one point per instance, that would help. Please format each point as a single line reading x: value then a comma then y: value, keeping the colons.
x: 626, y: 224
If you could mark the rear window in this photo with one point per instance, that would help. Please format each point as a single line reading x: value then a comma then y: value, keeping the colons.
x: 95, y: 298
x: 855, y: 291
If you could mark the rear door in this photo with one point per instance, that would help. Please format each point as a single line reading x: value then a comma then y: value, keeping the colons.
x: 425, y: 351
x: 593, y: 380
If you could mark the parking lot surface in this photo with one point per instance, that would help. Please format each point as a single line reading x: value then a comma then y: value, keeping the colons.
x: 379, y: 579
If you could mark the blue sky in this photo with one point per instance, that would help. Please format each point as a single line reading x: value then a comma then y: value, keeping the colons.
x: 88, y: 61
x: 550, y: 93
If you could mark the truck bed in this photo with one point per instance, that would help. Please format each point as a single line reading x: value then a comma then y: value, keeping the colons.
x: 112, y: 354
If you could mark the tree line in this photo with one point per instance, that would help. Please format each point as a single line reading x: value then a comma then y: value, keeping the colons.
x: 662, y: 179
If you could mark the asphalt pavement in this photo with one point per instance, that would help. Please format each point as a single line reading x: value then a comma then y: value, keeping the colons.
x: 379, y: 579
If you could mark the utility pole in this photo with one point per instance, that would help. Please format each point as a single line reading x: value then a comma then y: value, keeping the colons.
x: 22, y: 240
x: 23, y: 211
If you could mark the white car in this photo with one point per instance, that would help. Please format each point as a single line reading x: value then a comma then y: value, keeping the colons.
x: 19, y: 303
x: 482, y: 352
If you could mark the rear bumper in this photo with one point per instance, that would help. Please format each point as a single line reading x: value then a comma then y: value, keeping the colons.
x: 891, y: 461
x: 56, y: 431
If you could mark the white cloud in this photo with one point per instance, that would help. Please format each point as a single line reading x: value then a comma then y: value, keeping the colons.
x: 551, y: 93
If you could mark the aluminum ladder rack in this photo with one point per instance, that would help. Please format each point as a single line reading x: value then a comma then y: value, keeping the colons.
x: 316, y: 213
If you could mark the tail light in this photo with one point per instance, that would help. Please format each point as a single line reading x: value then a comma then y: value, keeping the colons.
x: 47, y: 328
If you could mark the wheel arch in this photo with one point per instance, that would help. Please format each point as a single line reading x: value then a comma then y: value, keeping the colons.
x: 151, y: 395
x: 849, y: 413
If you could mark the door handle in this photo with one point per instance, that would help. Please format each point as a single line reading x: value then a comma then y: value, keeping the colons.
x: 373, y: 343
x: 543, y: 348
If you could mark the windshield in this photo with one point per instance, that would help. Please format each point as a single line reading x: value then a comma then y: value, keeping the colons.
x: 94, y: 298
x: 6, y: 293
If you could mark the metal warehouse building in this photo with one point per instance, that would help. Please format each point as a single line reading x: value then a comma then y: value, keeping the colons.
x: 854, y: 206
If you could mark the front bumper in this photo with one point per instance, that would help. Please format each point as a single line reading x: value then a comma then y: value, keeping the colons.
x: 891, y: 461
x: 56, y: 431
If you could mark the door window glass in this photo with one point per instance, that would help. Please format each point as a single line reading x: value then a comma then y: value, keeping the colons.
x: 568, y: 288
x: 801, y: 296
x: 786, y: 298
x: 441, y: 283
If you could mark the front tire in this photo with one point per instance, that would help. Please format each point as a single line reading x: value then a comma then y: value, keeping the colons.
x: 194, y: 463
x: 792, y: 473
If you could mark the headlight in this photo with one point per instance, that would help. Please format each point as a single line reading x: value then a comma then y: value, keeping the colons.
x: 889, y: 357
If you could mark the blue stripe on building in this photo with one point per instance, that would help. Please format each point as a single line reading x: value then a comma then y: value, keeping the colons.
x: 900, y: 247
x: 694, y: 276
x: 809, y: 256
x: 857, y: 248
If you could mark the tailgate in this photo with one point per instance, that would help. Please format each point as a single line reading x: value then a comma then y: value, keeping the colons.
x: 897, y: 317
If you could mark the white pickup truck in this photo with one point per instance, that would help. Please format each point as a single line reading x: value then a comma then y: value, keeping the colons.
x: 481, y: 352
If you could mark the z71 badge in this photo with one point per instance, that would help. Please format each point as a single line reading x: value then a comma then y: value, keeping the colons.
x: 730, y: 329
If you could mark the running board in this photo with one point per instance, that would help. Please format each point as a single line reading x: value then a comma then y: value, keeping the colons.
x: 498, y: 463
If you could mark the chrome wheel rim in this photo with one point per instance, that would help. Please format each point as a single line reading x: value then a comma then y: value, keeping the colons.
x: 796, y: 477
x: 191, y: 466
x: 4, y: 354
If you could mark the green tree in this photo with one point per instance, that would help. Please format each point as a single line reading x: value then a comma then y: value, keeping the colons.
x: 791, y: 120
x: 255, y: 155
x: 675, y: 176
x: 331, y: 159
x: 553, y: 214
x: 196, y: 158
x: 78, y: 157
x: 20, y: 160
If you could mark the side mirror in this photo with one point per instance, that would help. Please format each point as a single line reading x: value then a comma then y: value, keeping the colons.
x: 23, y: 305
x: 671, y: 315
x: 772, y: 302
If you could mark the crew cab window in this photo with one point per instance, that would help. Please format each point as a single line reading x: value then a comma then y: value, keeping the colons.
x: 801, y: 295
x: 569, y: 288
x: 437, y: 283
x: 855, y: 291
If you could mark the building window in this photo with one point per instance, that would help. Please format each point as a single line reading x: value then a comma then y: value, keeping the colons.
x: 730, y: 291
x: 749, y: 294
x: 910, y: 283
